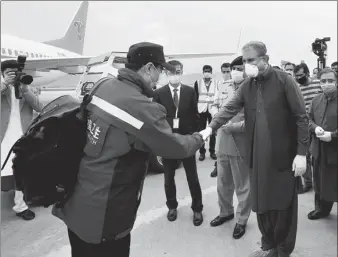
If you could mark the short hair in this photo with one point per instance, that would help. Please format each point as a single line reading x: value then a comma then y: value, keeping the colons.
x: 176, y: 63
x: 304, y: 67
x: 225, y: 65
x: 9, y: 64
x: 334, y: 64
x: 276, y: 67
x: 259, y: 47
x: 207, y: 67
x: 289, y: 63
x: 327, y: 70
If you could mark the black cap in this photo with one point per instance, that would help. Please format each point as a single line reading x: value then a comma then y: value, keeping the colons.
x: 237, y: 61
x: 145, y: 52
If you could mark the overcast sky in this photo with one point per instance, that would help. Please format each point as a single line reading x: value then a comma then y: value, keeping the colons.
x: 287, y: 28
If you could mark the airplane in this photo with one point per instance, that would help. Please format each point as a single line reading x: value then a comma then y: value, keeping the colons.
x: 51, y: 60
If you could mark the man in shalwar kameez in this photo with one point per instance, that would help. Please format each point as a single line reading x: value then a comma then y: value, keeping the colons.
x: 277, y: 137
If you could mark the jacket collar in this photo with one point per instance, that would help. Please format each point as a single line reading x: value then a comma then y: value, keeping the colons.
x: 134, y: 79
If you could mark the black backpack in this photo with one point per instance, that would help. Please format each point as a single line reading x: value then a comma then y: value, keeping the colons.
x: 47, y: 156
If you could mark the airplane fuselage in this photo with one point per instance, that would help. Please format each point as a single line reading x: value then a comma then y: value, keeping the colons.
x: 12, y: 47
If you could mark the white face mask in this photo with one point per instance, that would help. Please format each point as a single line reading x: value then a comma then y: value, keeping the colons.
x: 237, y: 76
x: 251, y: 70
x: 207, y: 75
x: 174, y: 79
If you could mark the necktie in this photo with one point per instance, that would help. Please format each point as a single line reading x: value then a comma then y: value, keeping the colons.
x: 176, y: 97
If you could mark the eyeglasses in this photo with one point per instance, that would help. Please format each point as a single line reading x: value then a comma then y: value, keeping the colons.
x: 324, y: 81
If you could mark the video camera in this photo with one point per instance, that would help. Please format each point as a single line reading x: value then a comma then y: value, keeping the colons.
x: 319, y: 48
x: 21, y: 77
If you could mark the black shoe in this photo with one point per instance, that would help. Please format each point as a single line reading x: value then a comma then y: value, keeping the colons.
x: 202, y: 157
x: 26, y: 215
x: 213, y: 156
x: 214, y: 173
x: 316, y: 215
x: 220, y: 220
x: 239, y: 231
x: 172, y: 215
x: 198, y: 218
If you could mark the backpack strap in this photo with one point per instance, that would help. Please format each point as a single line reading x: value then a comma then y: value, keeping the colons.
x: 88, y: 97
x: 8, y: 155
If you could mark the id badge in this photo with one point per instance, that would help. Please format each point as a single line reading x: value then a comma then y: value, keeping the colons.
x: 176, y: 123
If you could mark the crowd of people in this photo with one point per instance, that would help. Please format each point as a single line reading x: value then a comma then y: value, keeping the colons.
x: 267, y: 126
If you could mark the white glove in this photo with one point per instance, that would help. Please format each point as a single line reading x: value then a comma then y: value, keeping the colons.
x: 326, y: 136
x: 299, y: 165
x: 319, y: 131
x: 206, y: 133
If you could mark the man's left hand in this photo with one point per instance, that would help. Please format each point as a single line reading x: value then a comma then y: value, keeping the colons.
x: 299, y: 165
x: 326, y: 136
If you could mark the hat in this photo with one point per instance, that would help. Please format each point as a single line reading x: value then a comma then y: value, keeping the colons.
x: 237, y: 61
x: 145, y: 52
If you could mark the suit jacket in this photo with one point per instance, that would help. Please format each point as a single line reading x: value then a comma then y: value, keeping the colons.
x: 28, y: 103
x: 286, y: 116
x: 187, y: 109
x: 323, y: 109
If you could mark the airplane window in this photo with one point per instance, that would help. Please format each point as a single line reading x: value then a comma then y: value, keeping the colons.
x: 40, y: 55
x: 9, y: 51
x: 16, y: 53
x: 32, y: 55
x: 36, y: 55
x: 3, y: 50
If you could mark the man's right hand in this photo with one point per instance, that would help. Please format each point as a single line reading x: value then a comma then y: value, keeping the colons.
x: 319, y: 131
x: 9, y: 77
x: 206, y: 133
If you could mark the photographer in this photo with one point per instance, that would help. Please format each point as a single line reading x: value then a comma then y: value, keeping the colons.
x: 16, y: 116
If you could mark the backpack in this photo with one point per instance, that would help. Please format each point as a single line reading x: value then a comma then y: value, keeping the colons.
x: 47, y: 156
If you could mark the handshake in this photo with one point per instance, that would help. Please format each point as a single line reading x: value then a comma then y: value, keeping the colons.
x: 206, y: 133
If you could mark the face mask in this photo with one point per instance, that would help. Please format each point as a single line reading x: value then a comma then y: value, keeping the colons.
x: 302, y: 80
x: 237, y: 76
x: 329, y: 89
x: 251, y: 70
x: 207, y: 75
x: 174, y: 79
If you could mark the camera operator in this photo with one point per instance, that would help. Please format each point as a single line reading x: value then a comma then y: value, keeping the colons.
x: 16, y: 116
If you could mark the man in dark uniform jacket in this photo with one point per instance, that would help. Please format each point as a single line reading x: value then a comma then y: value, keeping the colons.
x: 324, y: 145
x: 180, y: 102
x: 277, y: 137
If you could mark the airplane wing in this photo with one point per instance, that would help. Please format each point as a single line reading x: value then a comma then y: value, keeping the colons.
x: 186, y: 56
x: 61, y: 63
